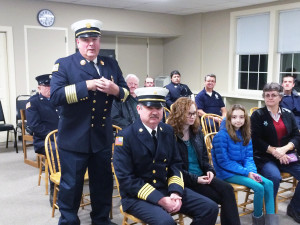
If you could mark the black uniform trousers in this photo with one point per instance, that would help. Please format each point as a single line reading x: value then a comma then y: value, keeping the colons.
x: 222, y: 193
x: 200, y: 208
x: 73, y: 166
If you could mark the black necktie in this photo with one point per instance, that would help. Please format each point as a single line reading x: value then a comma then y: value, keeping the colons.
x: 154, y: 138
x: 94, y: 68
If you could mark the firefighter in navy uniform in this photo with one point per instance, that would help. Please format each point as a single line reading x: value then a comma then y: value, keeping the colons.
x: 85, y: 85
x: 42, y: 117
x: 147, y: 164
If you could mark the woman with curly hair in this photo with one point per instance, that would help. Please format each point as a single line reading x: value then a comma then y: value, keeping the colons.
x: 198, y: 174
x: 232, y: 155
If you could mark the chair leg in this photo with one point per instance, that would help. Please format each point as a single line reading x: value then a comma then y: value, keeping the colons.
x: 46, y: 176
x: 7, y: 139
x: 54, y: 199
x: 16, y: 143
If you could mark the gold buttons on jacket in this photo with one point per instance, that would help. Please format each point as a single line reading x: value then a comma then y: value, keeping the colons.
x: 165, y: 160
x: 93, y: 109
x: 94, y: 101
x: 104, y: 117
x: 154, y: 181
x: 106, y: 102
x: 153, y: 161
x: 92, y: 125
x: 166, y: 168
x: 103, y: 125
x: 105, y: 110
x: 93, y: 117
x: 153, y: 171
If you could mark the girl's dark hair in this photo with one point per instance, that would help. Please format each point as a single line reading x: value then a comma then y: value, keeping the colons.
x: 245, y: 129
x: 174, y: 72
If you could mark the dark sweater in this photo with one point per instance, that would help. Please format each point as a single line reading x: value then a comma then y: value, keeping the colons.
x: 264, y: 134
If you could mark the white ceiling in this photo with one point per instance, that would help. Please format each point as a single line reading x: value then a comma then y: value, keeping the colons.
x: 177, y: 7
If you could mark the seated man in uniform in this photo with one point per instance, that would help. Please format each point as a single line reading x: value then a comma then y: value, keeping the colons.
x: 210, y: 101
x: 176, y: 89
x: 42, y: 117
x: 124, y: 113
x: 147, y: 164
x: 291, y: 99
x: 149, y: 82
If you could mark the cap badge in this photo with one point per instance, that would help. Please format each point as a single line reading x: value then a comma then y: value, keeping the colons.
x: 82, y: 62
x: 155, y: 92
x: 88, y: 25
x: 50, y: 76
x: 102, y: 63
x: 141, y: 130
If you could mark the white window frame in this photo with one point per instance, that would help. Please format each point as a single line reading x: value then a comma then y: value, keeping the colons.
x: 273, y: 55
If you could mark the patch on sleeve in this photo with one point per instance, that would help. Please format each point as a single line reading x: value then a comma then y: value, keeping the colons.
x: 119, y: 141
x: 28, y: 105
x: 55, y: 67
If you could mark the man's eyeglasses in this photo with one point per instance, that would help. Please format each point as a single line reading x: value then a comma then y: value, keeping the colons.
x: 191, y: 114
x: 271, y: 96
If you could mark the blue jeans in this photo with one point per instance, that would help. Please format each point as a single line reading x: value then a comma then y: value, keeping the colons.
x: 271, y: 170
x: 261, y: 190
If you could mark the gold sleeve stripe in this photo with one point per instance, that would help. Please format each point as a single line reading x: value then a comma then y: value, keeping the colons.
x: 176, y: 180
x: 126, y: 93
x: 71, y: 95
x: 145, y: 191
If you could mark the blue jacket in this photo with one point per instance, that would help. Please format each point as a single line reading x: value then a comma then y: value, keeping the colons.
x: 176, y: 91
x: 85, y: 123
x: 231, y: 158
x: 42, y: 118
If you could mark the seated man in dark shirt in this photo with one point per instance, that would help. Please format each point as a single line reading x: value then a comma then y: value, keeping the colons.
x: 291, y: 99
x: 176, y: 89
x: 42, y: 117
x: 210, y: 101
x: 125, y: 113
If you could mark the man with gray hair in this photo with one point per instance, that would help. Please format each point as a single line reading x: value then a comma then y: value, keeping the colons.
x: 125, y: 113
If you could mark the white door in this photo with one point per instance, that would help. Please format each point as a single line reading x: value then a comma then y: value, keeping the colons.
x: 4, y: 82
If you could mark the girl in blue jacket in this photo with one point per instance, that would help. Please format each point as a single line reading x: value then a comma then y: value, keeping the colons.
x: 232, y: 155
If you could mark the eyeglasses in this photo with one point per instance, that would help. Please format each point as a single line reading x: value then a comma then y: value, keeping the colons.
x: 271, y: 96
x: 191, y: 114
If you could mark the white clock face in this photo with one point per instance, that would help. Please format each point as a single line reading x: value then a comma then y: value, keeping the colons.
x: 46, y: 18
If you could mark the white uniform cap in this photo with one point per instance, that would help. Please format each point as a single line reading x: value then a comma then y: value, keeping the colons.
x: 152, y: 96
x: 87, y: 28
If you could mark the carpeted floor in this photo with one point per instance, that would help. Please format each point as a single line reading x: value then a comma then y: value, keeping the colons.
x: 23, y: 202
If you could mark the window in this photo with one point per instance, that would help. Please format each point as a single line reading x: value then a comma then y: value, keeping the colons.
x: 288, y: 45
x: 252, y: 72
x: 252, y: 51
x: 290, y: 64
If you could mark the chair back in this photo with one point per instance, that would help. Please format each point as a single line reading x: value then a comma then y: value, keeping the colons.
x: 166, y: 113
x: 253, y: 109
x: 21, y: 102
x: 2, y: 118
x: 208, y: 142
x: 116, y: 130
x: 52, y: 154
x: 209, y: 125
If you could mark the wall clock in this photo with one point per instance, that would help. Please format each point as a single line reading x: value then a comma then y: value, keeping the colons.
x: 45, y: 18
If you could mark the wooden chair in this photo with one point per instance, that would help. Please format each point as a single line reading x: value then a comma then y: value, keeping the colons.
x: 7, y: 127
x: 166, y: 113
x: 52, y: 156
x: 127, y: 216
x: 27, y: 138
x: 208, y: 124
x: 236, y: 187
x: 116, y: 130
x: 286, y: 189
x: 253, y: 109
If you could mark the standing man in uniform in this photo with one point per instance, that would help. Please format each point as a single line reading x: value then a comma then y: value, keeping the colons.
x: 176, y: 89
x: 42, y: 117
x: 147, y: 164
x: 210, y: 101
x: 85, y: 85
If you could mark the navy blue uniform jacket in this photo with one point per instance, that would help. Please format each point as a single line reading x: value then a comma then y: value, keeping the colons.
x: 42, y: 118
x: 143, y: 172
x: 85, y: 122
x: 176, y: 91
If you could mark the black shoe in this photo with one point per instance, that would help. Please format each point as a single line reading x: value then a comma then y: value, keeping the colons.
x: 292, y: 213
